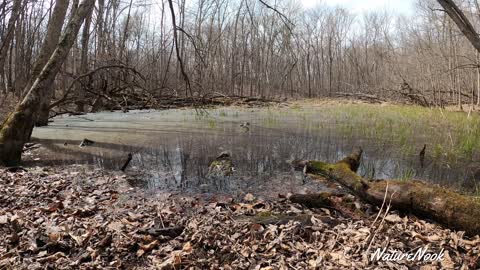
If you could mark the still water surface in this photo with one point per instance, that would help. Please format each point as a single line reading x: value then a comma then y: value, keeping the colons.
x: 172, y: 149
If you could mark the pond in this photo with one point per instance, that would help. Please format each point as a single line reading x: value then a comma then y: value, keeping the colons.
x: 172, y: 149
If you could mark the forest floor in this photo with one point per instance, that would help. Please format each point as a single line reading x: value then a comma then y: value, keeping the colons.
x: 78, y: 217
x: 81, y: 217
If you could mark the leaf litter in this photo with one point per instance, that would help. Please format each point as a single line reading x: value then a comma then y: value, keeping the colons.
x: 78, y: 217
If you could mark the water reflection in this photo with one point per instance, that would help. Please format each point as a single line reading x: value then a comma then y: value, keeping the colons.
x: 177, y: 158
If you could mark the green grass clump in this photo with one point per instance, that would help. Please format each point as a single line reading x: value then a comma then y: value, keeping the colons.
x: 438, y: 150
x: 270, y: 121
x: 212, y: 123
x: 296, y: 107
x: 407, y: 175
x: 409, y: 127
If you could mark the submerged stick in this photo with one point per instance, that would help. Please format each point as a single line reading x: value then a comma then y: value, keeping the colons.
x: 421, y: 155
x: 129, y: 158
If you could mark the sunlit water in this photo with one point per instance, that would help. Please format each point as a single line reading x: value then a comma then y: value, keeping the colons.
x: 172, y: 149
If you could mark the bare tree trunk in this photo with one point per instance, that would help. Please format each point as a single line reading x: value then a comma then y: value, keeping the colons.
x: 17, y: 128
x: 177, y: 49
x: 5, y: 45
x: 19, y: 51
x: 461, y: 21
x: 125, y: 35
x: 84, y: 61
x: 100, y: 50
x: 478, y: 79
x: 51, y: 40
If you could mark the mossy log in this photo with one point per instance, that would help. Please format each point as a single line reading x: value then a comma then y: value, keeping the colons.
x: 425, y: 200
x: 314, y: 200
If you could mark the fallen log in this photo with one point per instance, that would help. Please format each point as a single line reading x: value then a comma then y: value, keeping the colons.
x: 361, y: 96
x: 343, y: 205
x: 170, y: 232
x: 317, y: 200
x: 425, y: 200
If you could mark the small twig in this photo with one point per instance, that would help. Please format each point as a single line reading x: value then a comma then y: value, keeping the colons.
x: 383, y: 218
x: 381, y: 208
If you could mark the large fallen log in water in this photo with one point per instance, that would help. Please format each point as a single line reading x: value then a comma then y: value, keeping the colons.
x: 425, y: 200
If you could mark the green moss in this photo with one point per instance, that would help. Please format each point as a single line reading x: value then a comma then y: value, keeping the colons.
x: 340, y: 171
x: 318, y: 167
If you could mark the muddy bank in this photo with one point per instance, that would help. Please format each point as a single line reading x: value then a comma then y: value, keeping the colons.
x: 78, y: 217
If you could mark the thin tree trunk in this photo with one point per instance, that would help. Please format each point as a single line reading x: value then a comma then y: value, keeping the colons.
x: 51, y: 40
x: 5, y: 45
x: 177, y: 49
x: 478, y: 79
x: 84, y: 61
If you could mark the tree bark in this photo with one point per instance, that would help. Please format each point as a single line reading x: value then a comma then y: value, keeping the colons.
x: 51, y: 40
x: 84, y: 61
x: 18, y: 126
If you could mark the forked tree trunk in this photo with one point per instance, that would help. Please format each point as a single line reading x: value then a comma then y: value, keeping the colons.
x: 18, y: 126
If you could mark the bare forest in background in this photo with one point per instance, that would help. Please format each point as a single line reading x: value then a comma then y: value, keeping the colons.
x: 125, y: 53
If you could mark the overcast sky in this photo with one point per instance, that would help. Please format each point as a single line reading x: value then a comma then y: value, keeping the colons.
x: 358, y: 6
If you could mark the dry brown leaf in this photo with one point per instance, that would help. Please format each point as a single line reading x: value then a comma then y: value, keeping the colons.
x: 116, y: 226
x: 434, y: 238
x: 249, y: 197
x: 447, y: 262
x: 54, y: 236
x: 187, y: 247
x: 393, y: 218
x: 3, y: 219
x: 428, y: 267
